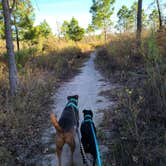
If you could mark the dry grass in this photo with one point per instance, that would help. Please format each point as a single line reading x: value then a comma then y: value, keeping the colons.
x: 23, y: 117
x: 2, y: 47
x: 138, y: 123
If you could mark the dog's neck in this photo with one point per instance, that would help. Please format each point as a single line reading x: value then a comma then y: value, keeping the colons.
x: 87, y: 117
x: 72, y: 100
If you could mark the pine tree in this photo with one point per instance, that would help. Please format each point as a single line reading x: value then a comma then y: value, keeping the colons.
x: 101, y: 12
x: 139, y: 23
x: 9, y: 45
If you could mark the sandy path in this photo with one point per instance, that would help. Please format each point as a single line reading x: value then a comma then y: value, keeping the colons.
x: 87, y: 84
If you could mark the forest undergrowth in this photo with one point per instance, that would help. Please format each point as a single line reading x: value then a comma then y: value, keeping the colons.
x: 136, y: 122
x: 23, y: 117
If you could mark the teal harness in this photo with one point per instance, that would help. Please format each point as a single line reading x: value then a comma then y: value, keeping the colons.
x: 72, y: 104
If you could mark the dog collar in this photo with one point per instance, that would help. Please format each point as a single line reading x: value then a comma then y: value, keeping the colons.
x: 72, y: 105
x: 88, y: 120
x: 72, y: 99
x: 87, y: 116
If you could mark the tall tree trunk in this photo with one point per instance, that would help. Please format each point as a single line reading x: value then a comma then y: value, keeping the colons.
x: 16, y: 30
x: 139, y: 23
x: 17, y: 38
x: 17, y: 34
x: 159, y: 11
x: 105, y: 34
x: 10, y: 48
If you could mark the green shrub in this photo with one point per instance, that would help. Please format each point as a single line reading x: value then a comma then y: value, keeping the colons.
x: 23, y: 56
x: 61, y: 62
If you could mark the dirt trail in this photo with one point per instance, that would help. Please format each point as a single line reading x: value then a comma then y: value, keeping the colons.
x: 87, y: 84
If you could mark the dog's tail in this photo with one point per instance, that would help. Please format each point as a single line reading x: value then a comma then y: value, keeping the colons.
x: 55, y: 122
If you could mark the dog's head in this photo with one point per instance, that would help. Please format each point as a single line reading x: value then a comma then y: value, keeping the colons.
x: 73, y: 98
x: 88, y: 113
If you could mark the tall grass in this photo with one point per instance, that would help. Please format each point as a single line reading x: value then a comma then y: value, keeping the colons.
x: 23, y: 117
x: 138, y: 123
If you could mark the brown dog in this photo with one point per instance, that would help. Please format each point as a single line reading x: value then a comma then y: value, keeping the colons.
x: 65, y: 127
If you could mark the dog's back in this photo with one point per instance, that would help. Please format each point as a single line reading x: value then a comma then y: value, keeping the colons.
x: 87, y: 138
x: 68, y: 118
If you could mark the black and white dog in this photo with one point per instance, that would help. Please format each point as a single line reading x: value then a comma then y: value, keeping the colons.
x: 87, y: 134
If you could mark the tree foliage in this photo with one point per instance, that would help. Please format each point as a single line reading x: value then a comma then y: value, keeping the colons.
x: 23, y: 17
x: 2, y: 30
x: 65, y: 30
x: 75, y: 32
x: 72, y: 30
x: 101, y: 12
x: 128, y: 18
x: 44, y: 29
x: 36, y: 33
x: 159, y: 6
x: 124, y: 18
x: 154, y: 19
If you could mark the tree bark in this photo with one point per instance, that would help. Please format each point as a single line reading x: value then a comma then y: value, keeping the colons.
x: 10, y: 48
x: 139, y: 23
x: 17, y: 39
x: 17, y: 35
x: 105, y: 35
x: 159, y: 11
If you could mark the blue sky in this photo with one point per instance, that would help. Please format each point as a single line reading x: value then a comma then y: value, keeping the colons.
x: 54, y: 11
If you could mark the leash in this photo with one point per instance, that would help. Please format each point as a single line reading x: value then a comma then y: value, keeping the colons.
x: 97, y: 146
x: 85, y: 160
x: 96, y: 143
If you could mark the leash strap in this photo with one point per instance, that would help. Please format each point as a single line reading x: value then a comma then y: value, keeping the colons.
x: 97, y: 147
x: 95, y: 139
x: 85, y: 161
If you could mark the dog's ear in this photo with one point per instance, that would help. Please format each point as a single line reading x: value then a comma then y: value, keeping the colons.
x: 91, y: 113
x: 68, y: 97
x: 84, y: 111
x: 76, y: 97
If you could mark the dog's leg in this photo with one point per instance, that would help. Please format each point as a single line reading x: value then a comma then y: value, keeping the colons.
x: 72, y: 148
x: 71, y: 142
x: 59, y: 153
x: 94, y: 161
x: 59, y: 145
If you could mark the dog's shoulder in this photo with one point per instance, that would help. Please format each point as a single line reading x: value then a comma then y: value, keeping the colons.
x: 67, y: 119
